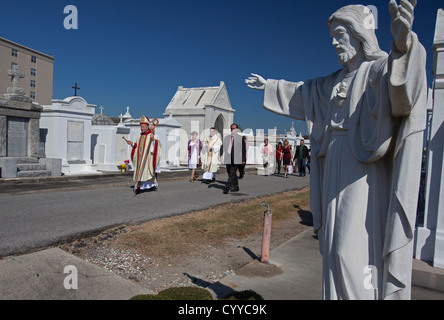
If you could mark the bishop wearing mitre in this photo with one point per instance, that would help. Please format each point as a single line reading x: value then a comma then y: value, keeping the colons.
x: 145, y: 156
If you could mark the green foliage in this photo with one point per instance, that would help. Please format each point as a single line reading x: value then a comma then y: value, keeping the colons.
x: 244, y: 295
x: 180, y: 293
x: 195, y: 293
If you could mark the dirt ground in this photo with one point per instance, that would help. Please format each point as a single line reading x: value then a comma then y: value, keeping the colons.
x: 204, y: 265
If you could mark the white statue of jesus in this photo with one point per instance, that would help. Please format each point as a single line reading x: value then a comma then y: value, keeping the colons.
x: 366, y: 124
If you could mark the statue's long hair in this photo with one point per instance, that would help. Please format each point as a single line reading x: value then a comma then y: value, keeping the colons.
x: 354, y: 17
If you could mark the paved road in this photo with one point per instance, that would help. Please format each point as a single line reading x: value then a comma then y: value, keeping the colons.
x: 45, y: 215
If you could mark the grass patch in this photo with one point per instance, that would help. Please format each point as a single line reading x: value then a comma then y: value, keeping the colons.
x: 183, y: 234
x: 244, y: 295
x: 181, y: 293
x: 195, y: 293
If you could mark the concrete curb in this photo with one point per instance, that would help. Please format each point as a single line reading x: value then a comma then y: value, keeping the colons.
x: 42, y: 276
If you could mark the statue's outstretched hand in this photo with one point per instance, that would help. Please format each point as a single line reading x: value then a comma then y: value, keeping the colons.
x: 256, y: 82
x: 402, y: 22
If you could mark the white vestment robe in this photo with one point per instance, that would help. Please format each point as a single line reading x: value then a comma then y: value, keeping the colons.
x: 210, y: 159
x: 367, y: 141
x: 145, y: 156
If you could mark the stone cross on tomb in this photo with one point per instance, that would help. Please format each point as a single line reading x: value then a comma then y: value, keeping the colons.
x: 16, y: 75
x: 101, y: 109
x: 75, y: 89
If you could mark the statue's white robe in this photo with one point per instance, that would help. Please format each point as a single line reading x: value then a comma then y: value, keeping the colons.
x: 365, y: 169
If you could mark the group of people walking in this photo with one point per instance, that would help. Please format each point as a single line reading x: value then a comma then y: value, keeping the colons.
x: 207, y: 154
x: 289, y: 160
x: 204, y: 154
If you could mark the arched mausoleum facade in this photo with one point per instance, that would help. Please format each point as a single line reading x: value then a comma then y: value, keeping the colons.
x: 199, y: 109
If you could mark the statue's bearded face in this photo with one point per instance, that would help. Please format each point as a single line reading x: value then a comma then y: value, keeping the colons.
x: 347, y: 46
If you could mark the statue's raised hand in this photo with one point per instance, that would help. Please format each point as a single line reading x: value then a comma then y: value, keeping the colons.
x: 402, y: 22
x: 256, y: 82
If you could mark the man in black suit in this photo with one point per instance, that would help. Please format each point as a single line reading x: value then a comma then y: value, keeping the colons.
x: 301, y: 156
x: 234, y: 156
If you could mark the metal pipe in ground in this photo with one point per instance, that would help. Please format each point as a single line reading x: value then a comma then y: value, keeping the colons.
x: 266, y: 234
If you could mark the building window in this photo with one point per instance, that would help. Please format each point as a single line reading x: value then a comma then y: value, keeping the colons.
x: 32, y: 95
x: 33, y: 59
x: 32, y: 83
x: 14, y: 52
x: 33, y: 72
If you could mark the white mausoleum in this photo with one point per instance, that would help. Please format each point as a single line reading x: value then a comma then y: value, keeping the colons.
x: 199, y: 109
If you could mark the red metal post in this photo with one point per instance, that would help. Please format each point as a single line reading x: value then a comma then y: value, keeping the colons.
x: 266, y: 234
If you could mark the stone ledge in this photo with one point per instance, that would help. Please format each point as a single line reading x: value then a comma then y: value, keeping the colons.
x: 426, y: 276
x: 33, y: 173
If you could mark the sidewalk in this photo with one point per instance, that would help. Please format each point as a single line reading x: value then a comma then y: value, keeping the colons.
x: 14, y: 186
x: 293, y: 273
x: 70, y: 182
x: 40, y: 276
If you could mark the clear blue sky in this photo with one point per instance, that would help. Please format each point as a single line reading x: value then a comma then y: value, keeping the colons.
x: 136, y: 53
